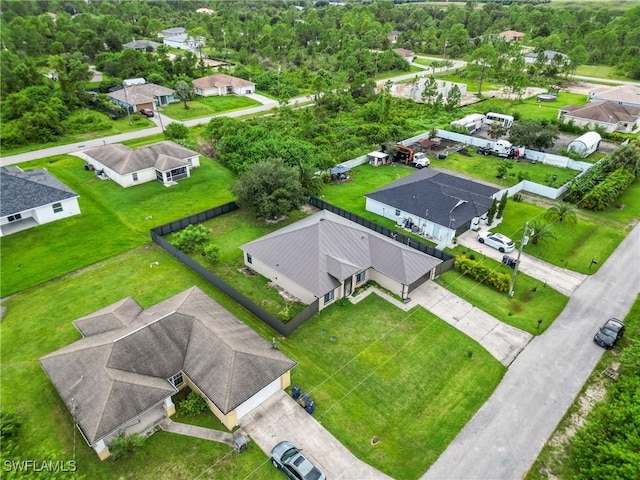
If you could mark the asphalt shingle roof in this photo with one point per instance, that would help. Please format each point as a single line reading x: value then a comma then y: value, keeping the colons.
x: 162, y: 156
x: 121, y: 368
x: 324, y: 249
x: 607, y: 111
x: 221, y: 80
x: 445, y: 196
x: 25, y: 190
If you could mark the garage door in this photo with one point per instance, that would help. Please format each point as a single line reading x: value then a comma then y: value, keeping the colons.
x: 258, y: 398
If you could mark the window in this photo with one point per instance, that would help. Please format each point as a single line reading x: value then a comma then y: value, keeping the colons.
x: 13, y: 218
x: 360, y: 277
x: 249, y: 259
x: 176, y: 380
x: 328, y: 297
x: 57, y: 207
x: 134, y: 175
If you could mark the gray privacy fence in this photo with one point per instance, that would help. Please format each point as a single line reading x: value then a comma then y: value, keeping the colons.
x: 387, y: 232
x: 157, y: 235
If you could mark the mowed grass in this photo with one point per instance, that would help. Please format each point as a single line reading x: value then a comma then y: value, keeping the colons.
x: 575, y: 245
x: 406, y: 375
x: 407, y: 378
x: 531, y: 109
x: 532, y: 299
x: 484, y: 168
x: 113, y: 220
x: 206, y: 106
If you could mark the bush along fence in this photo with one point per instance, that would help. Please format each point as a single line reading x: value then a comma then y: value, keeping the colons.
x: 482, y: 274
x: 447, y: 259
x: 157, y: 235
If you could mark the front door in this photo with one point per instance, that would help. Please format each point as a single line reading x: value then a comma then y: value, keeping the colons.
x: 347, y: 287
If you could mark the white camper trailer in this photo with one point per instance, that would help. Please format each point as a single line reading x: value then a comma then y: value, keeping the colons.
x: 470, y: 123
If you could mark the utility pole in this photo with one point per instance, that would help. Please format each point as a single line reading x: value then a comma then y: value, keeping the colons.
x: 126, y: 100
x: 515, y: 270
x: 157, y: 104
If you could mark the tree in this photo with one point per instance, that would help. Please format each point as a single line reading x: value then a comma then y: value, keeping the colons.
x: 453, y: 98
x: 269, y: 188
x: 492, y: 212
x: 539, y: 232
x: 502, y: 167
x: 502, y: 205
x: 184, y: 91
x: 562, y: 212
x: 483, y: 59
x: 534, y: 134
x: 176, y: 131
x: 497, y: 130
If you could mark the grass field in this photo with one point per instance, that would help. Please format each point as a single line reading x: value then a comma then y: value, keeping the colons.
x: 113, y: 220
x: 207, y: 106
x: 368, y: 382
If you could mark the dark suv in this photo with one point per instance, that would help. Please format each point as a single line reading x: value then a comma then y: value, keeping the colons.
x: 146, y: 112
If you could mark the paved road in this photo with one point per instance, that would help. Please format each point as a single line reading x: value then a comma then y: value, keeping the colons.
x: 506, y: 435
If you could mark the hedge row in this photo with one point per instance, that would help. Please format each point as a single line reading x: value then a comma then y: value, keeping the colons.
x: 608, y: 191
x: 481, y: 273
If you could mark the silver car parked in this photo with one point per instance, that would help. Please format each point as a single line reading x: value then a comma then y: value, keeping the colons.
x: 288, y: 458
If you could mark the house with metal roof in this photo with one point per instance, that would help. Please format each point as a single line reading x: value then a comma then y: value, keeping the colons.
x: 611, y: 116
x: 436, y: 205
x: 326, y: 256
x: 143, y: 45
x: 121, y: 375
x: 33, y: 197
x: 547, y: 57
x: 165, y: 161
x: 222, y: 84
x: 622, y: 95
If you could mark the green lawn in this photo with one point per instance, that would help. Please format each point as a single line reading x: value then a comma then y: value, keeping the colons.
x: 409, y: 379
x: 531, y: 300
x: 113, y: 220
x: 207, y: 106
x: 420, y: 369
x: 576, y: 245
x: 485, y: 168
x: 530, y: 108
x: 122, y: 125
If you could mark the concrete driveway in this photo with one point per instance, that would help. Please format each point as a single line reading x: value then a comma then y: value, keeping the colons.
x: 281, y: 418
x: 563, y: 280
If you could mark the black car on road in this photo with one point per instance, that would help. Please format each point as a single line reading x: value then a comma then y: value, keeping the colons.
x: 609, y: 333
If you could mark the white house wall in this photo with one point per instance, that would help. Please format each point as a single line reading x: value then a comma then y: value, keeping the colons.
x: 243, y: 90
x: 45, y: 213
x: 289, y: 285
x: 256, y: 400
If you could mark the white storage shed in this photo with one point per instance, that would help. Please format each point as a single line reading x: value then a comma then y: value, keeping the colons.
x: 586, y: 144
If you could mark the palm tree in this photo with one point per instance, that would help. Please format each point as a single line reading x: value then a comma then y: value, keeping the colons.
x: 539, y: 232
x: 563, y: 213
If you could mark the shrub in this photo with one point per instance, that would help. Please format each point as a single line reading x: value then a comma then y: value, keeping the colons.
x: 608, y: 191
x: 481, y: 273
x: 125, y: 445
x: 193, y: 405
x: 211, y: 252
x: 191, y: 238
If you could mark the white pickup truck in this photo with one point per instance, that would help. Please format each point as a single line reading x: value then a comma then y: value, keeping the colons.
x: 420, y: 160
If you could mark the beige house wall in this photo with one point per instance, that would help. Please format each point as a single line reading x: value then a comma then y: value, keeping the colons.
x: 388, y: 283
x: 289, y: 285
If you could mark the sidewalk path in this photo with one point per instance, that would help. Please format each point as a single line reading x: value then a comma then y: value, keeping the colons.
x: 561, y: 279
x: 502, y: 341
x: 506, y: 435
x: 169, y: 425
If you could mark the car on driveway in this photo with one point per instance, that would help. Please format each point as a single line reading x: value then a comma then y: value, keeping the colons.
x: 497, y: 241
x: 146, y: 112
x: 609, y: 334
x: 288, y: 458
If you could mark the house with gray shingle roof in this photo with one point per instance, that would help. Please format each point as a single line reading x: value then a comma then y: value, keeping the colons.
x: 222, y: 84
x: 622, y: 95
x: 434, y: 204
x: 326, y: 256
x: 144, y: 45
x: 611, y: 116
x: 166, y: 162
x: 33, y: 197
x: 139, y: 97
x: 131, y: 361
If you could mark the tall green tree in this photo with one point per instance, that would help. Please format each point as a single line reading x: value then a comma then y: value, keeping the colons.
x: 184, y: 91
x: 562, y: 212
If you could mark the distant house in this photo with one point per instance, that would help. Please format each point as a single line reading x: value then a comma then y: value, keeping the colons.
x: 623, y: 95
x: 143, y: 45
x: 33, y: 197
x: 178, y: 37
x: 549, y: 57
x: 511, y: 35
x: 221, y: 84
x: 146, y: 96
x: 610, y: 116
x: 441, y: 206
x: 166, y: 162
x: 326, y: 256
x: 206, y: 11
x: 393, y: 36
x: 585, y: 144
x: 404, y: 53
x: 121, y: 375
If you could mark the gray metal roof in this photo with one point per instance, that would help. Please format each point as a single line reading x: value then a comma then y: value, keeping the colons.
x: 121, y: 370
x: 445, y: 196
x: 322, y: 250
x: 162, y: 156
x: 25, y: 190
